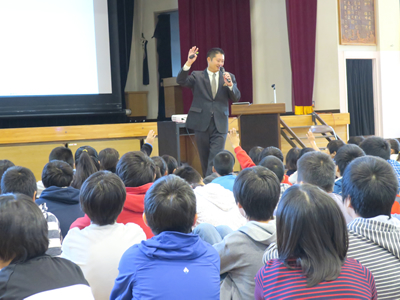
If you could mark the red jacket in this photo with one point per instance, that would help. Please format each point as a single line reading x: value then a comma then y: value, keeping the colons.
x: 246, y: 162
x: 131, y: 213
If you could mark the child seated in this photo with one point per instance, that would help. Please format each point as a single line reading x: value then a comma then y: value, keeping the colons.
x: 98, y: 248
x: 223, y: 165
x: 174, y: 264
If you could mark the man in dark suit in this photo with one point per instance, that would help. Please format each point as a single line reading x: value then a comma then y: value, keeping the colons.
x: 208, y: 115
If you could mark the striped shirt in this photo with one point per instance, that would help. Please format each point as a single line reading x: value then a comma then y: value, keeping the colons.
x: 276, y: 281
x: 54, y: 232
x: 376, y: 245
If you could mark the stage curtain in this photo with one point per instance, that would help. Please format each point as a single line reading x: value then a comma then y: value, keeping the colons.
x: 360, y: 95
x: 302, y: 27
x: 224, y: 24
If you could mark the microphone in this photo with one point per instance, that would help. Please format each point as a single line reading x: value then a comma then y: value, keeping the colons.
x: 223, y: 73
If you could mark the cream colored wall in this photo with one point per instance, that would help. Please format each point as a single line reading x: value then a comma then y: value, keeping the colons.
x: 146, y: 10
x: 270, y: 52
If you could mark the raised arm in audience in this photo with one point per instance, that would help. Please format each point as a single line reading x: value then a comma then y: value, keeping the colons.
x: 241, y: 155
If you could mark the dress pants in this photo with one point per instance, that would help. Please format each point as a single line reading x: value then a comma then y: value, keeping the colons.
x: 209, y: 144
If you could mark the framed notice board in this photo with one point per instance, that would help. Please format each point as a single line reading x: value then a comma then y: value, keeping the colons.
x: 357, y: 22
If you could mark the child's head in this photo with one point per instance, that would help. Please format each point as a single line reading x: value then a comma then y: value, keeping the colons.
x: 92, y: 154
x: 346, y: 155
x: 102, y: 197
x: 272, y: 151
x: 291, y: 158
x: 171, y: 163
x: 4, y: 165
x: 356, y: 140
x: 257, y: 191
x: 333, y: 147
x: 223, y: 163
x: 108, y: 159
x: 63, y: 154
x: 190, y: 175
x: 19, y: 180
x: 275, y: 165
x: 254, y: 154
x: 161, y: 165
x: 376, y: 146
x: 135, y: 169
x: 394, y: 146
x: 57, y: 173
x: 170, y: 205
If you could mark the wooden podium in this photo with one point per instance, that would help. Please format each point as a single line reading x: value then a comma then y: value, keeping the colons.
x: 259, y: 124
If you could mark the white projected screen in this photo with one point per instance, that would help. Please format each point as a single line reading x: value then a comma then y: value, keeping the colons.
x: 54, y: 47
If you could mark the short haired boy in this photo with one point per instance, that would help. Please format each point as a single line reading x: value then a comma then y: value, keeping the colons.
x: 394, y: 149
x: 98, y: 248
x: 137, y: 171
x: 174, y: 264
x: 257, y: 192
x: 58, y: 153
x: 318, y: 168
x: 369, y: 191
x: 223, y: 165
x: 60, y: 198
x: 21, y: 180
x: 343, y: 158
x: 377, y: 146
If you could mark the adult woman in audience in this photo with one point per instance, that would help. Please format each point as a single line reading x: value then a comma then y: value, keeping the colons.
x: 291, y: 160
x: 26, y: 272
x: 312, y: 243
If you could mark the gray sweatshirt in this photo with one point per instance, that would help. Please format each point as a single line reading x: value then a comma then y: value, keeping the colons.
x: 241, y: 255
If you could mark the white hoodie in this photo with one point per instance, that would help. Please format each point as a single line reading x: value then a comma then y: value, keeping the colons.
x: 216, y: 206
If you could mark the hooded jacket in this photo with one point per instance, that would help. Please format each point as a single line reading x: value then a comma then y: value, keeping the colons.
x: 171, y: 265
x: 63, y: 202
x: 241, y: 255
x: 131, y: 213
x: 216, y: 205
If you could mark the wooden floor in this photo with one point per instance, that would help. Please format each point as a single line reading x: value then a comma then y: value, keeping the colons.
x: 30, y: 147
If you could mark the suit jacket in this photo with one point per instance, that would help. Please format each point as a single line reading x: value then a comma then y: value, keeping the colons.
x: 203, y: 105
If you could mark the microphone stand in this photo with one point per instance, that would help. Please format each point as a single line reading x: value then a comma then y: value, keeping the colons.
x: 273, y: 86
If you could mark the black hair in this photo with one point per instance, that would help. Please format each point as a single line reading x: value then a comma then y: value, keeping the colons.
x: 291, y: 158
x: 214, y: 51
x: 275, y: 165
x: 317, y: 168
x: 271, y: 151
x: 170, y: 205
x: 4, y: 165
x: 223, y: 163
x: 57, y: 173
x: 171, y: 163
x: 257, y: 189
x: 161, y: 165
x: 333, y: 146
x: 24, y: 231
x: 376, y: 146
x: 135, y: 169
x: 394, y: 145
x: 85, y: 167
x: 346, y: 154
x: 92, y: 153
x: 190, y: 175
x: 254, y: 154
x: 311, y: 229
x: 371, y: 184
x: 304, y: 151
x: 19, y: 180
x: 63, y: 154
x: 102, y: 197
x: 356, y: 140
x: 108, y: 159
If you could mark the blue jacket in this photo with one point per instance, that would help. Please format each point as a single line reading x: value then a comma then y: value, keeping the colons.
x: 63, y: 203
x: 226, y: 181
x: 171, y: 265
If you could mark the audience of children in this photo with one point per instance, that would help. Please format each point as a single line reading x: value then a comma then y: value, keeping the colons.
x: 175, y: 263
x: 98, y: 248
x: 308, y: 252
x: 61, y: 199
x: 25, y: 271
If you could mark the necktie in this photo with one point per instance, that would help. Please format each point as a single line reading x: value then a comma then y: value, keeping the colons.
x: 214, y: 85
